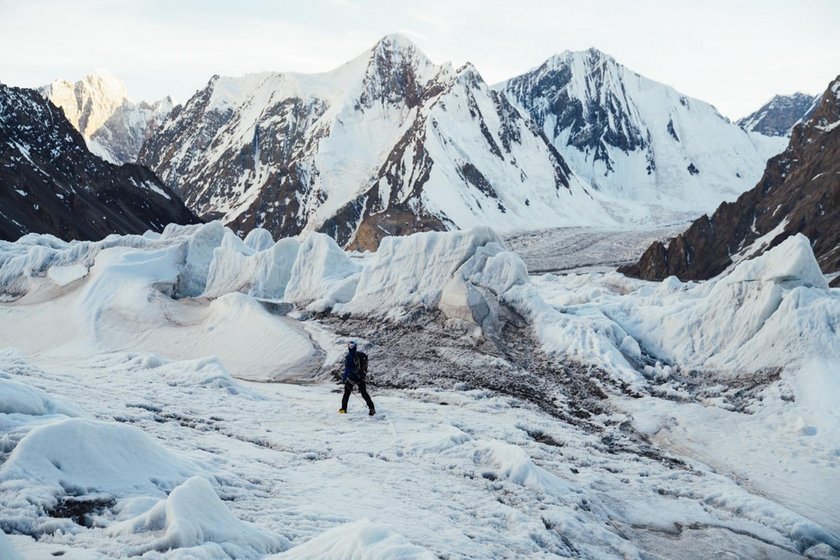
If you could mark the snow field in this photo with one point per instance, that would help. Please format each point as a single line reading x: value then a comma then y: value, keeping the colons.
x: 477, y: 477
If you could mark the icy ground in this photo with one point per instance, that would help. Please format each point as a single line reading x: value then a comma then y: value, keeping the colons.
x: 576, y: 248
x: 575, y: 415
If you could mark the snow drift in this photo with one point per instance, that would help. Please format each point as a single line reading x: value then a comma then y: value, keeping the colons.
x: 90, y: 456
x: 17, y: 398
x: 7, y: 551
x: 360, y: 540
x: 193, y: 515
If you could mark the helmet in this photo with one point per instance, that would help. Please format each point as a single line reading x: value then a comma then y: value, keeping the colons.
x: 351, y: 345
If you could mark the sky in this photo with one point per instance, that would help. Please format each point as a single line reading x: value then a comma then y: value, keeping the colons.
x: 735, y: 54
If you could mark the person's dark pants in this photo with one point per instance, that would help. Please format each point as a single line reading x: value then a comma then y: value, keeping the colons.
x: 348, y: 388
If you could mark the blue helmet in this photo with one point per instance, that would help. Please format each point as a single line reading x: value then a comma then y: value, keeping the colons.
x: 351, y: 345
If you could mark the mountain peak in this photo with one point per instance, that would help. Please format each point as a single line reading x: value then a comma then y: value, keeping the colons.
x: 89, y: 102
x: 398, y: 47
x: 589, y: 57
x: 778, y: 116
x: 395, y: 42
x: 395, y: 70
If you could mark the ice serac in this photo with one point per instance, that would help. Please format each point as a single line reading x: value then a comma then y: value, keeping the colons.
x: 798, y: 193
x: 182, y: 294
x: 768, y: 312
x: 322, y: 274
x: 636, y: 140
x: 53, y: 184
x: 262, y: 271
x: 413, y: 272
x: 387, y: 144
x: 779, y: 115
x: 113, y: 125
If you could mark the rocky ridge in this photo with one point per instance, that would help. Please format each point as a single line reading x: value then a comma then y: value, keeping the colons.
x: 779, y: 115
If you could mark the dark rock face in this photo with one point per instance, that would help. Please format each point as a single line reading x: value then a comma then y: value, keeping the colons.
x: 595, y: 127
x: 52, y: 184
x: 799, y: 193
x: 780, y: 114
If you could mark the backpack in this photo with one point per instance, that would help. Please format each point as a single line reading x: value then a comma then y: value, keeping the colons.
x: 360, y: 365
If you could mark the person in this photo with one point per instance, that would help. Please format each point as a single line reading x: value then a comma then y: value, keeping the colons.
x: 354, y: 375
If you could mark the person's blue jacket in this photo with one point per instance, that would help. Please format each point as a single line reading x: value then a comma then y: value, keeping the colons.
x: 349, y: 366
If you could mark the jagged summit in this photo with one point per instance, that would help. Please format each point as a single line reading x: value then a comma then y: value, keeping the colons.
x: 590, y: 56
x: 396, y: 70
x: 395, y: 42
x: 89, y: 102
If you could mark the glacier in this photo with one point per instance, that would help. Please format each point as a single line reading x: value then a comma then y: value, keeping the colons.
x: 173, y: 395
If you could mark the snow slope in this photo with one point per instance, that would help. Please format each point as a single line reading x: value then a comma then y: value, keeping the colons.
x: 638, y: 141
x: 120, y: 435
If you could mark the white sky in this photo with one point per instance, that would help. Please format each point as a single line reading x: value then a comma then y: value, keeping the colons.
x: 735, y: 54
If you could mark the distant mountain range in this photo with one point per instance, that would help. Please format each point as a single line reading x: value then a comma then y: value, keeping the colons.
x: 52, y: 184
x: 798, y: 193
x: 113, y: 126
x: 390, y: 143
x: 780, y: 114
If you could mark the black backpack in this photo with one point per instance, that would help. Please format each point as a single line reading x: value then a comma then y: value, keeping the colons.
x: 360, y: 366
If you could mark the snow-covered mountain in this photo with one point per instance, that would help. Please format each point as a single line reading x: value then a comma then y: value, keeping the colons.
x: 635, y: 139
x: 53, y: 184
x: 388, y: 143
x: 113, y: 125
x: 779, y: 115
x: 88, y: 103
x: 798, y: 193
